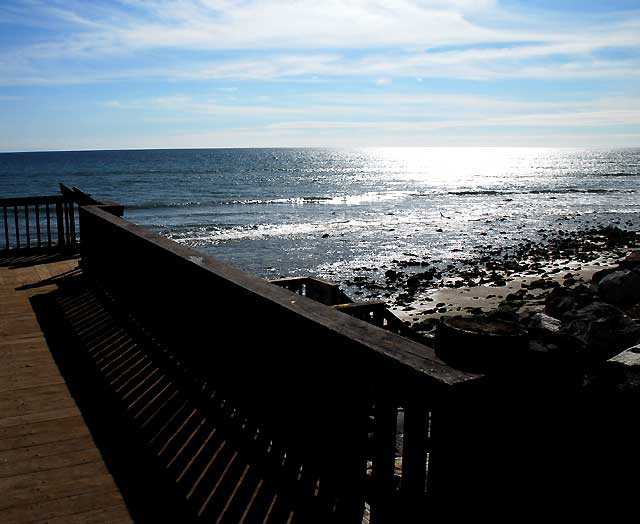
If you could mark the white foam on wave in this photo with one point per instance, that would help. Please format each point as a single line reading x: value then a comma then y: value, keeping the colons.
x: 214, y: 234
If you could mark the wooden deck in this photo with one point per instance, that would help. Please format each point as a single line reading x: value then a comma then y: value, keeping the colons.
x: 50, y: 467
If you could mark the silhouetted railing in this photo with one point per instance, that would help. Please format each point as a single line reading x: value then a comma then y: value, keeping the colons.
x: 329, y: 293
x: 323, y: 387
x: 323, y: 291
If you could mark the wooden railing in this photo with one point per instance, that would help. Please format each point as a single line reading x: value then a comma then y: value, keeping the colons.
x: 323, y: 291
x: 42, y: 221
x: 34, y: 222
x: 329, y: 293
x: 325, y: 389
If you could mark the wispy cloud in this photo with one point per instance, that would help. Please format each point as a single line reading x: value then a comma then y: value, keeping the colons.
x: 269, y: 70
x: 273, y: 39
x: 407, y: 112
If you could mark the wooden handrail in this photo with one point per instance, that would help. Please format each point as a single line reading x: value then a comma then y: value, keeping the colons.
x: 48, y: 221
x: 310, y: 375
x: 30, y: 200
x: 422, y: 359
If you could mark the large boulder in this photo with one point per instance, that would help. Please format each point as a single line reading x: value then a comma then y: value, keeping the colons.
x: 620, y: 287
x: 604, y: 329
x: 561, y: 302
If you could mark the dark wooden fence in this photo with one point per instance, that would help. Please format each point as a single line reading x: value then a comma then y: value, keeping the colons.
x: 42, y: 221
x: 34, y: 222
x: 353, y: 409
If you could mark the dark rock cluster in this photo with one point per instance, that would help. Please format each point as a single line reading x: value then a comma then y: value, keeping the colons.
x: 411, y: 277
x: 581, y: 328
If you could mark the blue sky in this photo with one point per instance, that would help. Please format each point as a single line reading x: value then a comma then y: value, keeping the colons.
x: 245, y: 73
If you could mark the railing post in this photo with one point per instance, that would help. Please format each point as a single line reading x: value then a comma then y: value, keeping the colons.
x: 72, y: 223
x: 48, y: 210
x: 414, y: 459
x: 383, y: 466
x: 60, y: 223
x: 26, y: 222
x: 37, y: 206
x: 6, y: 229
x: 17, y: 224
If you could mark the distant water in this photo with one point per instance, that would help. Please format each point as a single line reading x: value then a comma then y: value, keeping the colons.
x: 332, y: 212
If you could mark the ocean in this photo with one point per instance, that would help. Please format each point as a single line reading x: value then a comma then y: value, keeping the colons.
x: 336, y: 213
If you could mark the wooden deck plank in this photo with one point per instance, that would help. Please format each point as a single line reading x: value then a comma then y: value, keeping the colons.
x: 54, y: 414
x: 43, y: 432
x: 112, y: 515
x: 26, y: 399
x: 54, y: 483
x: 65, y: 508
x: 30, y: 459
x: 50, y: 467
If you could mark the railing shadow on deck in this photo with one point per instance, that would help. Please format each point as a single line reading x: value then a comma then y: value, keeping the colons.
x: 61, y: 314
x: 16, y: 259
x: 177, y: 447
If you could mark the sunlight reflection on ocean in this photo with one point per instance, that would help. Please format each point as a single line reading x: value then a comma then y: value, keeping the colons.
x: 332, y: 212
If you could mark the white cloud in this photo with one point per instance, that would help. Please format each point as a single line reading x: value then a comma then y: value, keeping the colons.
x: 309, y: 38
x: 391, y: 113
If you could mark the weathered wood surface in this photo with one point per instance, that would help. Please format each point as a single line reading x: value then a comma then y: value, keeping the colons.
x: 50, y: 468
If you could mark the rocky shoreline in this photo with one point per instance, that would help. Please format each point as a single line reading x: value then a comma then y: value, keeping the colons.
x: 567, y: 257
x: 576, y: 295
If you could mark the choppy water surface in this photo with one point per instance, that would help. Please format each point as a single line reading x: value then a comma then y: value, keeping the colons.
x: 334, y: 213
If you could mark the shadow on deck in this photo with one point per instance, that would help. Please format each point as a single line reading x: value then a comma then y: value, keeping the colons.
x: 63, y: 315
x: 21, y: 258
x: 172, y: 445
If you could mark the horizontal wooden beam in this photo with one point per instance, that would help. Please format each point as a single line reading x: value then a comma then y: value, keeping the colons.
x: 379, y: 345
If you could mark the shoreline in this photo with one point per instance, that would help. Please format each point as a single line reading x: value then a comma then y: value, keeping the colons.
x: 420, y: 294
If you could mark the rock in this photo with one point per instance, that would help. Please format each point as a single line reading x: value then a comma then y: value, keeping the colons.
x: 599, y: 275
x: 604, y: 329
x: 626, y: 367
x: 413, y: 281
x: 561, y: 301
x: 518, y: 295
x: 478, y: 343
x: 391, y: 274
x: 537, y: 284
x: 631, y: 261
x: 544, y: 323
x: 620, y: 287
x: 326, y: 235
x: 549, y: 330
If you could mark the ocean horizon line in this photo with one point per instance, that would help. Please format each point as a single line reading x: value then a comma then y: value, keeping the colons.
x: 337, y: 148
